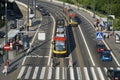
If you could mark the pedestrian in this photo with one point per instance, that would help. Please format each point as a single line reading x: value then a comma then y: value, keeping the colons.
x: 70, y: 63
x: 7, y: 62
x: 53, y: 63
x: 5, y: 70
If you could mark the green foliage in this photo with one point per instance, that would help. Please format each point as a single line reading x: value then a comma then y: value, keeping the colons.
x: 116, y: 24
x: 106, y: 7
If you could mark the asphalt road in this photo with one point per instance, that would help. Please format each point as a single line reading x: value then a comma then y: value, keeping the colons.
x: 81, y: 48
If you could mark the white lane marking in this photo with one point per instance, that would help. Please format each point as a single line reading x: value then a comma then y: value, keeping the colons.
x: 42, y: 73
x: 35, y: 72
x: 49, y: 73
x: 86, y: 46
x: 50, y: 53
x: 72, y: 73
x: 86, y: 73
x: 100, y: 73
x: 38, y: 56
x: 57, y: 73
x: 28, y: 72
x: 103, y: 41
x: 79, y: 73
x: 35, y: 35
x: 63, y: 76
x: 64, y: 73
x: 21, y: 72
x: 93, y: 73
x: 111, y: 68
x: 112, y: 54
x: 24, y: 60
x: 33, y: 39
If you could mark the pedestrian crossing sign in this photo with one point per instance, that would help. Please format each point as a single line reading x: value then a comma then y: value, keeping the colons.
x: 99, y: 35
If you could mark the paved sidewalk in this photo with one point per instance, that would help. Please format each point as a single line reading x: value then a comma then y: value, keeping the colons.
x: 15, y: 60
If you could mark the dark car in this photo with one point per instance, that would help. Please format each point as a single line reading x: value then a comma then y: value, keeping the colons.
x: 2, y: 34
x: 13, y: 26
x: 60, y: 22
x: 100, y: 47
x: 45, y: 12
x: 113, y: 74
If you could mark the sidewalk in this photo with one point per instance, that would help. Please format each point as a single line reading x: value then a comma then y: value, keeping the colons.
x: 110, y: 41
x: 15, y: 60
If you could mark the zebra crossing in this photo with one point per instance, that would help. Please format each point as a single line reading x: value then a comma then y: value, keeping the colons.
x: 62, y: 73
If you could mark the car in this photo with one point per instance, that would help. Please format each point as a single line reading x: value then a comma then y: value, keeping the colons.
x: 60, y: 22
x: 106, y: 55
x: 60, y: 30
x: 2, y: 34
x: 100, y: 47
x: 13, y: 26
x: 113, y: 74
x: 45, y: 12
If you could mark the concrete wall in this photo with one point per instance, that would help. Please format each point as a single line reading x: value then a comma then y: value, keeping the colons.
x: 20, y: 7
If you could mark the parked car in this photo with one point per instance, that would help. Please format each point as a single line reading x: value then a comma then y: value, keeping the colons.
x: 113, y: 74
x: 2, y: 34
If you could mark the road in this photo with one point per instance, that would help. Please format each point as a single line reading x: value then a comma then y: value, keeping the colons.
x: 81, y: 48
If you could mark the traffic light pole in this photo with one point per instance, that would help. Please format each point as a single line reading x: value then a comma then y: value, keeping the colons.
x: 27, y: 18
x: 6, y: 29
x: 35, y: 8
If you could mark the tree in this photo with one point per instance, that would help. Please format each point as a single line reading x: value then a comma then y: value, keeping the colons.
x: 116, y: 24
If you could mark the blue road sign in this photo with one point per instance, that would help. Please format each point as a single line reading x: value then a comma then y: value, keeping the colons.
x: 99, y: 35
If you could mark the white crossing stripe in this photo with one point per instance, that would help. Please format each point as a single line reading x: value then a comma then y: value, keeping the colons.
x: 50, y: 73
x: 28, y: 72
x: 118, y: 68
x: 46, y: 73
x: 86, y: 73
x: 93, y: 73
x: 100, y: 73
x: 111, y: 68
x: 21, y: 72
x: 42, y: 73
x: 64, y: 73
x: 57, y: 73
x: 35, y: 72
x: 72, y: 73
x: 79, y: 73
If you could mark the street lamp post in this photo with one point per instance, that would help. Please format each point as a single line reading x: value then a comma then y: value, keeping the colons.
x: 94, y: 9
x: 27, y: 29
x: 6, y: 29
x: 35, y: 8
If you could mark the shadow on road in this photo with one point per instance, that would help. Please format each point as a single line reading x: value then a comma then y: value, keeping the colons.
x: 12, y: 68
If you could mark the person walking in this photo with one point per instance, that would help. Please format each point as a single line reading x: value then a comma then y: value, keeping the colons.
x: 5, y: 70
x: 70, y: 63
x: 53, y: 62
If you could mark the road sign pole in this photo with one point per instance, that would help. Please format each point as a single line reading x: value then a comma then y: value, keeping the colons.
x: 6, y: 29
